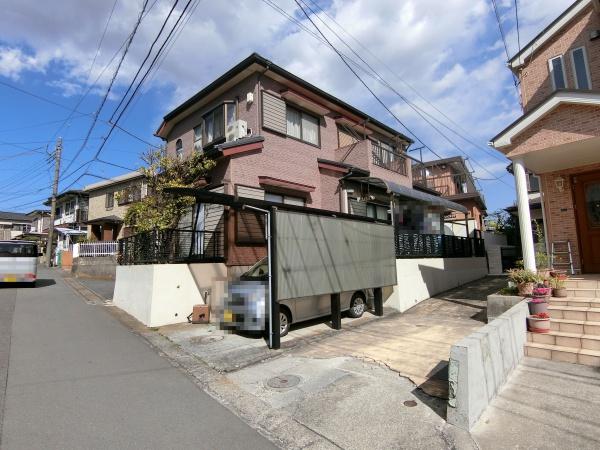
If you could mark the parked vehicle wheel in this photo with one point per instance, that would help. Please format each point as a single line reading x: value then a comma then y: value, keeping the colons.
x: 285, y: 320
x: 358, y: 305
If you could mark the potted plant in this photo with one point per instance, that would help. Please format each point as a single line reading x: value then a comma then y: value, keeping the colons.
x: 542, y: 265
x: 558, y: 287
x: 560, y: 274
x: 537, y: 305
x: 541, y: 291
x: 539, y: 323
x: 524, y: 279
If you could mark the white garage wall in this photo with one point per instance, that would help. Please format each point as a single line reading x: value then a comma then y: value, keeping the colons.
x: 421, y: 278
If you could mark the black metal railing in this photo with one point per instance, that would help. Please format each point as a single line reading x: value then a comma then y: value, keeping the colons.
x: 172, y: 246
x: 416, y: 245
x: 388, y: 159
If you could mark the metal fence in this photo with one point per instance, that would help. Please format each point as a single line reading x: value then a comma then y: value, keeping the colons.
x: 172, y: 246
x: 415, y: 245
x: 91, y: 249
x: 387, y: 159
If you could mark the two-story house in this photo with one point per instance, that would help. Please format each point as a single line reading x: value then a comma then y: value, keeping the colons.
x: 40, y: 221
x: 108, y: 202
x: 70, y: 216
x: 558, y: 136
x: 13, y: 224
x: 277, y: 137
x: 451, y: 178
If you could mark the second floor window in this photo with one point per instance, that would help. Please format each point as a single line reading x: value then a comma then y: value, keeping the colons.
x: 109, y: 202
x: 580, y: 68
x: 301, y: 125
x: 198, y: 138
x: 217, y: 121
x: 130, y: 194
x: 556, y: 67
x: 179, y: 149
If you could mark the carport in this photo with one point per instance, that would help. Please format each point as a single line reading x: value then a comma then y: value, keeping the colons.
x: 315, y: 252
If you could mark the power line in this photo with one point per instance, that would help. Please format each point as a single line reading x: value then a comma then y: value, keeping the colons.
x: 99, y: 150
x: 112, y: 10
x: 415, y: 108
x: 381, y: 80
x: 503, y: 36
x: 517, y: 24
x: 110, y: 85
x: 466, y: 137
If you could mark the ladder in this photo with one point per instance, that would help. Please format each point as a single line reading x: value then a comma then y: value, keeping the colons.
x: 561, y: 255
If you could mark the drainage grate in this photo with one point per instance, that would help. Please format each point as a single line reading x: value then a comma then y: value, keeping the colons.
x: 283, y: 381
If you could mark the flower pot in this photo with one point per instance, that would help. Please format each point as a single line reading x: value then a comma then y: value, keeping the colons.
x: 542, y: 292
x: 536, y: 307
x: 559, y: 292
x: 538, y: 325
x: 525, y: 288
x: 560, y: 274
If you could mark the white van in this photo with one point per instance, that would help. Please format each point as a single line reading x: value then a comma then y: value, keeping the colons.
x: 18, y: 262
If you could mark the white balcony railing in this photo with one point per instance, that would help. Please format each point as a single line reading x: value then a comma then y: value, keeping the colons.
x: 91, y: 249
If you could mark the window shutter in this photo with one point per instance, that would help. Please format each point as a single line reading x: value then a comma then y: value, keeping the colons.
x: 273, y: 113
x: 250, y: 192
x: 358, y: 208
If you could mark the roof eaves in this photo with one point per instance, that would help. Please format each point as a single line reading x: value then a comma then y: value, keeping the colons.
x: 267, y: 64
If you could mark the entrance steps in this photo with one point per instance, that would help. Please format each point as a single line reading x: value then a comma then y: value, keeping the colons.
x: 574, y: 325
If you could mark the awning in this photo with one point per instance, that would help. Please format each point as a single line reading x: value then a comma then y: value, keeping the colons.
x: 69, y: 231
x: 106, y: 219
x: 291, y: 185
x: 405, y: 191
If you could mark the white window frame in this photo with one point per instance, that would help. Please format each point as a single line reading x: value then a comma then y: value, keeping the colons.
x: 585, y: 62
x: 551, y: 71
x: 303, y: 113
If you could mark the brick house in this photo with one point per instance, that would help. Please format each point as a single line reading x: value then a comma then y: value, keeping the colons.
x: 558, y: 136
x: 108, y: 202
x: 278, y: 138
x: 451, y: 178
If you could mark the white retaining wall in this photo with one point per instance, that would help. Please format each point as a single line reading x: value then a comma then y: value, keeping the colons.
x: 156, y: 294
x: 481, y: 363
x: 421, y: 278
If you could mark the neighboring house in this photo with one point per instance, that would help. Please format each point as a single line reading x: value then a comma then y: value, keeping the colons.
x: 40, y: 221
x: 70, y: 216
x: 278, y: 138
x: 451, y: 179
x: 558, y: 136
x: 108, y: 202
x: 13, y: 224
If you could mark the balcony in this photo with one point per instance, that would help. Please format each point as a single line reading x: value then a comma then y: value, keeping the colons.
x: 447, y: 185
x: 388, y: 159
x: 77, y: 216
x: 379, y: 161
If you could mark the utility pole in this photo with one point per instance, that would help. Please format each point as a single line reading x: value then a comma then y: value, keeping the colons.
x: 57, y: 155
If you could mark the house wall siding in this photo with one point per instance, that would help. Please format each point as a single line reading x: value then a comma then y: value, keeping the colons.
x: 535, y: 80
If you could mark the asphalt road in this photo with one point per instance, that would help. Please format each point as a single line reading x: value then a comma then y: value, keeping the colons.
x: 77, y: 378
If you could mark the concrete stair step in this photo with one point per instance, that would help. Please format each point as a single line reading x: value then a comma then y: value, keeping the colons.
x: 562, y: 339
x: 563, y: 354
x: 586, y: 302
x: 574, y: 312
x: 583, y: 292
x: 582, y: 283
x: 575, y: 326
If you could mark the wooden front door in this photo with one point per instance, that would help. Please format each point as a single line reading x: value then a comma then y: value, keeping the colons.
x: 587, y: 204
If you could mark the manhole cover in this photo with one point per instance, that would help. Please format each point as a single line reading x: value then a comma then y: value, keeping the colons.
x: 410, y: 403
x: 283, y: 381
x: 203, y: 340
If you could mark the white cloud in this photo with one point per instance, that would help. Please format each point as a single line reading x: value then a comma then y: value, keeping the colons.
x: 450, y: 53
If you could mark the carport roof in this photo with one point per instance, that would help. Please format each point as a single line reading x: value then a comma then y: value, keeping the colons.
x: 405, y: 191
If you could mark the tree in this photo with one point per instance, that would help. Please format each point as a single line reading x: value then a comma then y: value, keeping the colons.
x: 504, y: 223
x: 160, y: 210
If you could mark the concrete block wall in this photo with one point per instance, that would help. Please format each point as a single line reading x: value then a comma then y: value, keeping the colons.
x: 421, y: 278
x: 481, y: 363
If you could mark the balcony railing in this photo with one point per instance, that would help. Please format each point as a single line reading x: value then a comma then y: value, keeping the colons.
x: 446, y: 185
x: 388, y: 159
x: 172, y: 246
x: 415, y: 245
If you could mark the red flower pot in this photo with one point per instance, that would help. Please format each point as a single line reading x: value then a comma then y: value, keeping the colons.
x: 537, y: 305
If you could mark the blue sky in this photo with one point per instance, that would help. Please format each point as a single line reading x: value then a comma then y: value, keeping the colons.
x: 447, y: 60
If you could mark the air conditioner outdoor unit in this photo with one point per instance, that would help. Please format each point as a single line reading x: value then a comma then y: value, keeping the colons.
x: 236, y: 130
